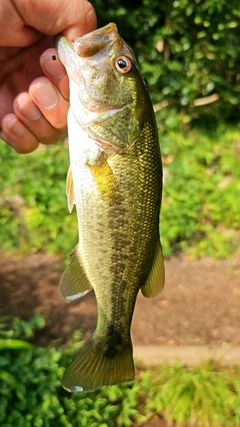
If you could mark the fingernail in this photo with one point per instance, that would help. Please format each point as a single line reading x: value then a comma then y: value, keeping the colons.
x: 16, y: 128
x: 46, y: 94
x: 27, y: 107
x: 52, y: 65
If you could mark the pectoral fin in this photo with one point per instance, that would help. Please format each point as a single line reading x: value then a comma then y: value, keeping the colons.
x: 105, y: 181
x: 74, y: 283
x: 155, y: 281
x: 70, y: 190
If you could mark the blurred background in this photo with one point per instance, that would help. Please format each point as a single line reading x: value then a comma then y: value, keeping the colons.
x: 189, y: 54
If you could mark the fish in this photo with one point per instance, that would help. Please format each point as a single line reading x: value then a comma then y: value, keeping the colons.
x: 115, y: 182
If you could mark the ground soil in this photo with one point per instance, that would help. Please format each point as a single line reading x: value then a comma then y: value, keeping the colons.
x: 199, y: 305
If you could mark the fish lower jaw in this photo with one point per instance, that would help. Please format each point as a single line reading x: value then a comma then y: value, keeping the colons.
x: 87, y: 114
x: 105, y: 147
x: 109, y: 148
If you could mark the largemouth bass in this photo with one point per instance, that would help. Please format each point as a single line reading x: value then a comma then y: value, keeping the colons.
x: 115, y: 181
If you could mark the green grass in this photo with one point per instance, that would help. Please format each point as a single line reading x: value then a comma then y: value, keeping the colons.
x: 33, y: 209
x: 200, y: 209
x: 31, y: 394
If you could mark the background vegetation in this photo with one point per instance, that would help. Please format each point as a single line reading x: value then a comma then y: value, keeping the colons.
x: 188, y: 49
x: 189, y: 53
x: 200, y: 208
x: 31, y: 394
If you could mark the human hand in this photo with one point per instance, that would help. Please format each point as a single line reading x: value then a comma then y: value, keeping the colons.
x: 33, y: 94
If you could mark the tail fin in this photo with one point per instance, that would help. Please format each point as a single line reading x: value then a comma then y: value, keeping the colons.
x: 91, y: 370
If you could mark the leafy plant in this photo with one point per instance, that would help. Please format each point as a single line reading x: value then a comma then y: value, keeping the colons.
x: 202, y: 396
x: 199, y: 210
x: 33, y: 209
x: 187, y: 50
x: 200, y: 213
x: 31, y: 394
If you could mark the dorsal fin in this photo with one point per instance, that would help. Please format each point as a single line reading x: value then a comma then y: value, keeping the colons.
x: 74, y: 282
x: 70, y: 190
x: 155, y: 281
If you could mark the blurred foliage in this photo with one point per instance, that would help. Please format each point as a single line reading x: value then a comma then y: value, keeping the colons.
x: 31, y: 394
x: 33, y: 208
x: 200, y: 209
x: 187, y: 49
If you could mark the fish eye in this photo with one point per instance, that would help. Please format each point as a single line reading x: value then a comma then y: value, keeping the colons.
x: 123, y: 64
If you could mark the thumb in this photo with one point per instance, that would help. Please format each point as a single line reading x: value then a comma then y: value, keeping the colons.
x: 72, y: 18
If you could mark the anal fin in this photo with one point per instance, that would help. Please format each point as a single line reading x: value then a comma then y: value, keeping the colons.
x: 74, y: 282
x: 156, y: 278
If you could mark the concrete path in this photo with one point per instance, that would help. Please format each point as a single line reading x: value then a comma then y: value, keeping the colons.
x: 151, y: 355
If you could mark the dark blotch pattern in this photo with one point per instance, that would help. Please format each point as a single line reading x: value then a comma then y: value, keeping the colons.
x: 113, y: 343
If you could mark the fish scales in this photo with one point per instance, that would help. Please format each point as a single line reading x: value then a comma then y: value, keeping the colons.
x: 117, y: 185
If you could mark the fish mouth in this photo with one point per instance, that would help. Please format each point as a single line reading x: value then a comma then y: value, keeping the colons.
x: 75, y: 55
x: 92, y: 43
x: 88, y: 45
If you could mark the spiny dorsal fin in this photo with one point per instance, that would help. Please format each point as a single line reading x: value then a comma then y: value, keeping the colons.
x: 155, y: 281
x: 70, y: 190
x: 74, y: 283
